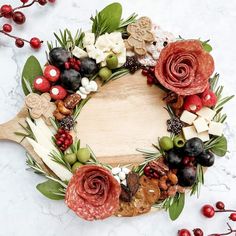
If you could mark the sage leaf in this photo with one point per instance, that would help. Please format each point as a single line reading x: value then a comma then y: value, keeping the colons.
x: 51, y: 190
x: 220, y: 147
x: 207, y: 47
x: 109, y: 18
x: 177, y: 206
x: 31, y: 70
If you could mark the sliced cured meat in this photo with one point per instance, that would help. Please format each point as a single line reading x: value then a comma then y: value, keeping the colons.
x: 184, y: 67
x: 93, y: 193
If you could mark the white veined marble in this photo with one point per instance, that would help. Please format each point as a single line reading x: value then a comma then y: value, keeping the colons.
x: 24, y: 211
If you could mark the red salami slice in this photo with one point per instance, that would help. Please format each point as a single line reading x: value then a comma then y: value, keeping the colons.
x: 93, y: 193
x: 184, y: 67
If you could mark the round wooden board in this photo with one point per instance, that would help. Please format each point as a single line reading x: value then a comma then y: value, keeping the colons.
x: 123, y: 115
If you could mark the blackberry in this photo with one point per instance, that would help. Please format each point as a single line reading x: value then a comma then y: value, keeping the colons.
x: 132, y: 64
x: 174, y: 125
x: 67, y: 123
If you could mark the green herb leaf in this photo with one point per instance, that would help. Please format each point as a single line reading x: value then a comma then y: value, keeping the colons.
x: 31, y: 69
x: 207, y: 47
x: 220, y: 147
x: 177, y: 206
x: 107, y: 20
x: 51, y: 189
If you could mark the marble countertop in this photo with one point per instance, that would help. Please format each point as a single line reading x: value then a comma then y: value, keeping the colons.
x: 23, y: 211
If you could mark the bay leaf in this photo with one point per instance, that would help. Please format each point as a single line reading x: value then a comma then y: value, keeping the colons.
x: 220, y: 148
x: 177, y: 206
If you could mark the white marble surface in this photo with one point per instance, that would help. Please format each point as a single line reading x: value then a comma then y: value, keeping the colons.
x: 23, y: 211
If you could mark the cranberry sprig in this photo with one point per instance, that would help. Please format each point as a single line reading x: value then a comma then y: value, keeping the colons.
x: 6, y: 11
x: 230, y: 231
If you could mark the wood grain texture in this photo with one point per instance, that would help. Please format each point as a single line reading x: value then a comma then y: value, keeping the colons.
x: 123, y: 115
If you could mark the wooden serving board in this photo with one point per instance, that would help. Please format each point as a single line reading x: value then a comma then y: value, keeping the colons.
x: 123, y: 115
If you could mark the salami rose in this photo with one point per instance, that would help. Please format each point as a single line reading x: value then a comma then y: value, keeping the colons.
x: 93, y: 193
x: 184, y: 67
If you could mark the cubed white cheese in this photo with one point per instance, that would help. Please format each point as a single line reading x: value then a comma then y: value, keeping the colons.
x: 89, y: 39
x: 200, y: 125
x: 189, y: 132
x: 204, y: 136
x: 206, y: 113
x: 79, y: 53
x: 216, y: 128
x: 188, y: 117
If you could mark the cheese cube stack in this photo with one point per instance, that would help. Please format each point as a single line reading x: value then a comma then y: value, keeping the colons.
x: 201, y: 125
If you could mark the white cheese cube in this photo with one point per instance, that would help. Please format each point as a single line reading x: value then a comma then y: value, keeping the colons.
x: 204, y: 136
x: 89, y: 39
x: 79, y: 53
x: 190, y: 132
x: 206, y: 113
x: 188, y: 117
x: 200, y: 125
x: 216, y: 128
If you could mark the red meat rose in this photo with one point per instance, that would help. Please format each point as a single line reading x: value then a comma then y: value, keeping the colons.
x: 93, y: 193
x: 184, y: 67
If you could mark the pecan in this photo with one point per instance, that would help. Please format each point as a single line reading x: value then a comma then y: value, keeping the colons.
x: 159, y: 167
x: 172, y: 178
x: 133, y: 182
x: 72, y: 100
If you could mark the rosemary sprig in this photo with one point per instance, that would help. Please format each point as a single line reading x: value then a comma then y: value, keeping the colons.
x: 66, y: 40
x: 99, y: 24
x: 28, y: 132
x: 79, y: 108
x: 58, y: 157
x: 39, y: 170
x: 195, y: 189
x: 125, y: 22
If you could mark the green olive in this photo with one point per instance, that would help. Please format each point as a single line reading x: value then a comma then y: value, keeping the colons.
x: 166, y: 143
x: 179, y: 141
x: 76, y: 166
x: 104, y: 73
x: 83, y: 155
x: 70, y: 158
x: 112, y: 61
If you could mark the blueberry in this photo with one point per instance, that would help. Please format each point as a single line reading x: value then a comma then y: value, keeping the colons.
x: 187, y: 176
x: 206, y: 158
x: 173, y: 158
x: 88, y: 67
x: 193, y: 147
x: 71, y: 79
x: 58, y: 56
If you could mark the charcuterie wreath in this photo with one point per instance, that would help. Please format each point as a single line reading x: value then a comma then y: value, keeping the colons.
x: 81, y: 67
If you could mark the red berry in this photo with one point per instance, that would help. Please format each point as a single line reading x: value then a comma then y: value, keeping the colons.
x: 41, y: 84
x: 150, y: 79
x: 24, y: 1
x: 197, y: 232
x: 42, y: 2
x: 51, y: 1
x: 6, y: 11
x: 35, y: 43
x: 58, y: 92
x: 220, y: 205
x: 208, y: 211
x: 209, y: 98
x: 184, y: 232
x: 18, y: 17
x: 7, y: 28
x: 232, y: 216
x: 193, y: 103
x: 144, y: 72
x: 19, y: 43
x: 152, y: 70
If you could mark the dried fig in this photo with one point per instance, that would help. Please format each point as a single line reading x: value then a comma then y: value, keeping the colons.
x: 133, y: 182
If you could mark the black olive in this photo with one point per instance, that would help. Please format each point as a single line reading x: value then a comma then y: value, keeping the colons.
x: 193, y: 147
x: 187, y: 176
x: 206, y: 158
x: 174, y: 158
x: 88, y: 67
x: 58, y: 56
x: 71, y: 79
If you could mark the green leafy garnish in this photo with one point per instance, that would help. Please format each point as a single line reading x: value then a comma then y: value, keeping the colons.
x: 207, y: 47
x: 31, y: 70
x: 174, y: 205
x: 108, y: 20
x: 125, y: 22
x: 217, y: 145
x: 120, y: 72
x: 51, y: 189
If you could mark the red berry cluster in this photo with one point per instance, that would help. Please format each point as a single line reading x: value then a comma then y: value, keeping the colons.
x: 189, y: 161
x: 63, y: 139
x: 6, y: 11
x: 149, y: 72
x: 209, y: 211
x: 72, y: 63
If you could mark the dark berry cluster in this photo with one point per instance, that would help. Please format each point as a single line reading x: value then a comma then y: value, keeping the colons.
x: 15, y: 14
x: 174, y: 125
x: 67, y: 123
x: 132, y: 64
x: 63, y: 139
